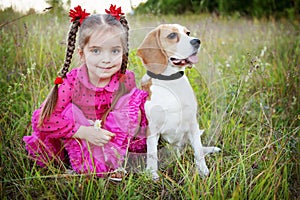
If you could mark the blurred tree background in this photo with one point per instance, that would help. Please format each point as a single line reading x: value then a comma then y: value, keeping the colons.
x: 255, y: 8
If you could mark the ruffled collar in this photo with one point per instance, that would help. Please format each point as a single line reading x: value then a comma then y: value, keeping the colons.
x: 83, y: 77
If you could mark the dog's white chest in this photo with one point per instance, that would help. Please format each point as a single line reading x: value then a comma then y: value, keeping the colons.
x: 173, y: 95
x: 172, y: 108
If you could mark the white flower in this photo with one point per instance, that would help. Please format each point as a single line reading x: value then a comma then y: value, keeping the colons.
x: 262, y: 53
x: 97, y: 124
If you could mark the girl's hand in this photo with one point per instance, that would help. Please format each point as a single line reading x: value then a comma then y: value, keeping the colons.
x: 96, y: 137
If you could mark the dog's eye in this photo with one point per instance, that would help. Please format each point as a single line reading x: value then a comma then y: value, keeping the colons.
x: 188, y: 33
x: 172, y: 36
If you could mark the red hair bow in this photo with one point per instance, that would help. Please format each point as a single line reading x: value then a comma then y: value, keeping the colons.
x: 78, y: 13
x: 114, y: 11
x: 58, y: 80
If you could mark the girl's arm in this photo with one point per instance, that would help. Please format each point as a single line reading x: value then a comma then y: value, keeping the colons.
x: 59, y: 124
x: 130, y: 80
x: 62, y: 122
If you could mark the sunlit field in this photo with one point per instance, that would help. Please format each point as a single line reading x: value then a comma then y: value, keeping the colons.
x: 246, y: 84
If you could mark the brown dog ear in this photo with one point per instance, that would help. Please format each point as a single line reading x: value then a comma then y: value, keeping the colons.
x: 152, y: 54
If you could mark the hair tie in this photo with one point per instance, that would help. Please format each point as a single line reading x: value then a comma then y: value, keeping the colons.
x: 122, y: 77
x: 78, y: 13
x: 115, y: 12
x: 58, y: 80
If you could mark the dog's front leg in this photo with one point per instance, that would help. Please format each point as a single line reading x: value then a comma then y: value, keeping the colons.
x: 199, y: 153
x: 152, y: 158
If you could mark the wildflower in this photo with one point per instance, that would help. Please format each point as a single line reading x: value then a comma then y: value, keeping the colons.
x: 97, y: 124
x: 262, y: 53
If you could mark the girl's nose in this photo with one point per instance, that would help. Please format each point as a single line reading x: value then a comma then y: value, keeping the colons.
x: 105, y: 61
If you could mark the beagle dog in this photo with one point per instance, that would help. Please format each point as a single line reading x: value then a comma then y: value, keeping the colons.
x: 171, y: 108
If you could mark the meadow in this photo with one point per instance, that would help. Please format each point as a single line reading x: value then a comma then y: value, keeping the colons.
x: 246, y: 83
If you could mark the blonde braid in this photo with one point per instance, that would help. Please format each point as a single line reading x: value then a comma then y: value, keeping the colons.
x: 51, y: 99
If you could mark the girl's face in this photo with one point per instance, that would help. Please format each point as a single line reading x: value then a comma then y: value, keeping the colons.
x: 102, y: 56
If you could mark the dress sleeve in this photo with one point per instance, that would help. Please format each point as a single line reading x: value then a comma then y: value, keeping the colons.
x: 128, y: 120
x: 59, y: 125
x: 44, y: 144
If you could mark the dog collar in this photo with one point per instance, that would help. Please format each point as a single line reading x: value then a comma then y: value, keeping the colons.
x: 174, y: 76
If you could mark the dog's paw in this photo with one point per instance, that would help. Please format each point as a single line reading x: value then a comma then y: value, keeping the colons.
x: 155, y: 177
x: 210, y: 150
x: 202, y: 167
x: 153, y: 174
x: 216, y: 149
x: 203, y: 171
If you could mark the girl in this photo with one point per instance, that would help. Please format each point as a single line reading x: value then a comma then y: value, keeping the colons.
x: 97, y: 113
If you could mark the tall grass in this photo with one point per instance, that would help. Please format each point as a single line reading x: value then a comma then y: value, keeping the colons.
x: 246, y: 84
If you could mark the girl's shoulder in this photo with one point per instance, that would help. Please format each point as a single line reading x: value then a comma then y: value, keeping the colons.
x: 129, y: 80
x: 130, y: 74
x: 73, y: 73
x: 71, y: 76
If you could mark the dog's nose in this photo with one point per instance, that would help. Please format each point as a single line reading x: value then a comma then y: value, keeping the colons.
x: 195, y: 43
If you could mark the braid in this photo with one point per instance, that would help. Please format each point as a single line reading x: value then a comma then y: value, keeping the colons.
x: 51, y: 100
x: 70, y: 48
x: 124, y: 23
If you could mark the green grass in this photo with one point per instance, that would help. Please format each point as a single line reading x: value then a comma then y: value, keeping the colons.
x: 246, y: 84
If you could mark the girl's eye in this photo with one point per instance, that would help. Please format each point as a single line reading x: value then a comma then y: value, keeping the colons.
x: 116, y: 51
x: 95, y: 51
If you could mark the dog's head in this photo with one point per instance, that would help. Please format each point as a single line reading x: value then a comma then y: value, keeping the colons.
x: 168, y: 43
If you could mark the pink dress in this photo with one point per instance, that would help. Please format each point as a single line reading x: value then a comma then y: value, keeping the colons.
x: 78, y: 102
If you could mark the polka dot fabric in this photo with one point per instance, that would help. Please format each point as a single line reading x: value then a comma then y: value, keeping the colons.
x: 78, y: 102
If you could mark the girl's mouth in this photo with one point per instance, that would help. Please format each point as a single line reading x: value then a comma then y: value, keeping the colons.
x: 105, y: 68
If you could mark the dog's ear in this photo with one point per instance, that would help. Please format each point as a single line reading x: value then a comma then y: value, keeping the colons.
x: 152, y: 54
